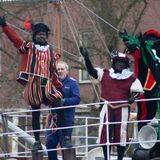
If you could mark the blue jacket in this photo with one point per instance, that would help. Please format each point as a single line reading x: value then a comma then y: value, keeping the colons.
x: 71, y: 96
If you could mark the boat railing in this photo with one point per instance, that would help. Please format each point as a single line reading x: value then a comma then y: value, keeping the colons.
x: 17, y: 136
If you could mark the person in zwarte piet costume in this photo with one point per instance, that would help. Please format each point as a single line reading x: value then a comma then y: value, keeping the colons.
x: 117, y: 84
x: 37, y: 72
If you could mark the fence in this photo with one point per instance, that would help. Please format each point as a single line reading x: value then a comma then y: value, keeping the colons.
x: 17, y: 141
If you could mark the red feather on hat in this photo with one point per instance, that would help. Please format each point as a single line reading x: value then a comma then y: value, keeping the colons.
x: 27, y: 23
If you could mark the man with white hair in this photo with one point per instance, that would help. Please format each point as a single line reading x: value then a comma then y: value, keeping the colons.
x: 71, y: 96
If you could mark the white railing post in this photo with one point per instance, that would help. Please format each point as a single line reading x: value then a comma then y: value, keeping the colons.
x: 86, y: 136
x: 107, y: 131
x: 5, y: 142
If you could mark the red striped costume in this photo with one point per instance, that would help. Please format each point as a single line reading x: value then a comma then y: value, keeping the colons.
x: 37, y: 67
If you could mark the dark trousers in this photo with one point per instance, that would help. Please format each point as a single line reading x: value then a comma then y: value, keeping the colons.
x: 36, y: 119
x: 36, y: 122
x: 55, y: 137
x: 120, y: 152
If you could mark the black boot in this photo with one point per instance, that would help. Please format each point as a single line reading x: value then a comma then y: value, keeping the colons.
x: 36, y: 146
x: 120, y: 151
x: 67, y: 142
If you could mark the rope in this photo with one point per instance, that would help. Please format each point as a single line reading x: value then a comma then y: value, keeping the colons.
x: 74, y: 28
x: 14, y: 26
x: 69, y: 18
x: 94, y: 25
x: 51, y: 121
x: 97, y: 16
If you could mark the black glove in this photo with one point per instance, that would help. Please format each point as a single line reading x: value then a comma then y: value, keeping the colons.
x: 127, y: 39
x: 131, y: 47
x: 123, y: 35
x: 58, y: 103
x: 131, y: 100
x: 2, y: 21
x: 83, y: 52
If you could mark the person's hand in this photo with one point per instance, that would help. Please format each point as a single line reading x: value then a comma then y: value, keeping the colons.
x: 131, y: 42
x: 2, y: 21
x: 131, y: 100
x: 124, y: 35
x: 62, y: 101
x: 83, y: 51
x: 154, y: 122
x: 131, y: 47
x: 58, y: 103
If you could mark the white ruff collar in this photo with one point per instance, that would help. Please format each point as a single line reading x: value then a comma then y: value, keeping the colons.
x: 42, y: 48
x: 126, y: 73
